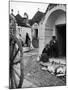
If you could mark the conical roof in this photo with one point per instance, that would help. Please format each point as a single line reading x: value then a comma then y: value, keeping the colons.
x: 37, y: 18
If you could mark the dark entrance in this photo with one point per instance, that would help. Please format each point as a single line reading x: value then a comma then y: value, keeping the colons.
x: 36, y: 33
x: 35, y: 40
x: 61, y: 37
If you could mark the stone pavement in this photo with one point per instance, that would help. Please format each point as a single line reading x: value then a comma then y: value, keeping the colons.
x: 28, y: 84
x: 43, y: 78
x: 34, y: 76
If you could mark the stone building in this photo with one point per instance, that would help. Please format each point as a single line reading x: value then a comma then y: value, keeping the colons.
x: 53, y: 24
x: 34, y: 22
x: 23, y: 26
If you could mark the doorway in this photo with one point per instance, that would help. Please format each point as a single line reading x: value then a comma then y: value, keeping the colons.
x: 36, y: 33
x: 61, y: 37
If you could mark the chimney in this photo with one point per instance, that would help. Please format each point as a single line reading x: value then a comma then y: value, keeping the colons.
x: 38, y: 9
x: 18, y: 12
x: 11, y: 11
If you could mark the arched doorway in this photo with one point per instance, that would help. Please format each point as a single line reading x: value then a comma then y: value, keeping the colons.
x: 35, y: 40
x: 56, y: 26
x: 55, y: 20
x: 61, y: 37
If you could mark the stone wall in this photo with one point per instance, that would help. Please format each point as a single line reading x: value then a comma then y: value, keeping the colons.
x: 56, y: 15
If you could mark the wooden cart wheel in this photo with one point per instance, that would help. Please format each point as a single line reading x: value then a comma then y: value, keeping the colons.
x: 16, y: 74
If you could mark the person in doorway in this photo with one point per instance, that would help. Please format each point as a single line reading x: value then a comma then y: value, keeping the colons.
x: 27, y: 41
x: 46, y: 49
x: 45, y: 54
x: 54, y: 47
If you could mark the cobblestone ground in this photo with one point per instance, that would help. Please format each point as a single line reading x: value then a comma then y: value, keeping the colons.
x: 34, y: 73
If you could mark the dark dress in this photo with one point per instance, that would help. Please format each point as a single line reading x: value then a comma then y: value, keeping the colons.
x: 27, y: 41
x: 54, y: 48
x: 45, y: 54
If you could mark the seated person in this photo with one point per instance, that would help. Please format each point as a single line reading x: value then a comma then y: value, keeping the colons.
x: 54, y: 47
x: 45, y: 54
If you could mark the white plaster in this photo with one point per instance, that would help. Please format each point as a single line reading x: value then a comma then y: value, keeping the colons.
x: 49, y: 23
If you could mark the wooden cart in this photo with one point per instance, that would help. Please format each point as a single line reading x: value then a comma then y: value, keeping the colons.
x: 16, y: 68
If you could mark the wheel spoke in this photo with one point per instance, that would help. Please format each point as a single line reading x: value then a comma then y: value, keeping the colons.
x: 15, y: 55
x: 12, y: 82
x: 12, y: 51
x: 15, y: 81
x: 17, y: 62
x: 16, y: 73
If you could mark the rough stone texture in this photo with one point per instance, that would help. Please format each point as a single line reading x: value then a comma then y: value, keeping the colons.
x: 42, y: 78
x: 34, y: 74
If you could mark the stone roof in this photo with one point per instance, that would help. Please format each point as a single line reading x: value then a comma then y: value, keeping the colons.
x: 21, y: 21
x: 37, y: 18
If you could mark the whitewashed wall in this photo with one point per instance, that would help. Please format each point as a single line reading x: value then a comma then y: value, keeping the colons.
x: 23, y: 31
x: 47, y: 25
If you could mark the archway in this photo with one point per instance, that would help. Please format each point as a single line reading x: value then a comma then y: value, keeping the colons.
x: 61, y: 37
x: 53, y: 18
x: 56, y: 26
